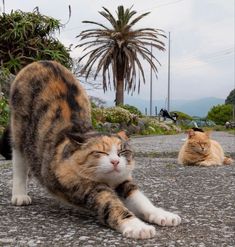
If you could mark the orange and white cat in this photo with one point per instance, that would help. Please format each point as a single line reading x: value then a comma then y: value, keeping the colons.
x: 52, y: 136
x: 200, y: 150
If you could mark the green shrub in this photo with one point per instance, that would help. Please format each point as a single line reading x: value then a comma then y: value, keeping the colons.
x: 30, y: 36
x: 219, y: 128
x: 113, y: 118
x: 118, y: 115
x: 153, y: 126
x: 182, y: 115
x: 132, y: 109
x: 93, y: 105
x: 4, y: 112
x: 231, y: 98
x: 98, y: 115
x: 152, y: 130
x: 220, y: 114
x: 111, y: 115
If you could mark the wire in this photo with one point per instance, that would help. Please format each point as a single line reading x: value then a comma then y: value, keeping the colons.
x: 193, y: 66
x: 73, y: 28
x: 192, y: 56
x: 212, y: 56
x: 157, y: 6
x: 162, y: 5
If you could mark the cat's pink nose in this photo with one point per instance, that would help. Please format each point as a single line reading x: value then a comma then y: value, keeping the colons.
x: 115, y: 162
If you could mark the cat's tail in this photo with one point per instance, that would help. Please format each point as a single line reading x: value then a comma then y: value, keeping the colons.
x: 5, y: 144
x: 227, y: 161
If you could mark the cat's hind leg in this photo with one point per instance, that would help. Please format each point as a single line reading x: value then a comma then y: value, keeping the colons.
x: 20, y: 176
x: 227, y: 161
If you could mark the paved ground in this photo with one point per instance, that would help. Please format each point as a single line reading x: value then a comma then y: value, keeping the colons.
x: 204, y: 197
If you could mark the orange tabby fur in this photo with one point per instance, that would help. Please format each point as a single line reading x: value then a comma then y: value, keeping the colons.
x: 200, y: 150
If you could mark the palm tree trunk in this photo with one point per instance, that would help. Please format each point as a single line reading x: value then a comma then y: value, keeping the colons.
x: 120, y: 80
x: 119, y: 92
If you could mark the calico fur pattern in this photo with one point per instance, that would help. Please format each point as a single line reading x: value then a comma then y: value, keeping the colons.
x: 200, y: 150
x: 52, y: 136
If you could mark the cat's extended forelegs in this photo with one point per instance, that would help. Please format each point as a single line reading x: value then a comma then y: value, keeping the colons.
x: 20, y: 176
x: 141, y: 206
x: 111, y: 211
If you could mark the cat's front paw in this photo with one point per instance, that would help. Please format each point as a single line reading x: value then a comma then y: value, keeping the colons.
x: 205, y: 163
x: 163, y: 218
x: 135, y: 228
x: 21, y: 200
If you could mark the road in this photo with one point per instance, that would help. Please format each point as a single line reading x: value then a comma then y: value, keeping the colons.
x: 203, y: 196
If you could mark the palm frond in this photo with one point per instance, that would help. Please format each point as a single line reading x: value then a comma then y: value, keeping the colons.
x: 138, y: 18
x: 119, y: 50
x: 96, y: 23
x: 107, y: 15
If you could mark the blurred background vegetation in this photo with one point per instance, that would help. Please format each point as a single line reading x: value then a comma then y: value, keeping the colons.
x: 30, y: 36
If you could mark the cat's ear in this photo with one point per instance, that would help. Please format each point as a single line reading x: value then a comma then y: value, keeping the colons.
x: 191, y: 133
x: 123, y: 135
x: 76, y: 138
x: 208, y: 133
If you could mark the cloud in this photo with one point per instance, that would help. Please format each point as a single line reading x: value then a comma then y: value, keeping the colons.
x: 202, y: 40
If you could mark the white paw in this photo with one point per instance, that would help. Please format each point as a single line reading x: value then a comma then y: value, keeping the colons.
x: 20, y: 200
x: 163, y: 218
x: 135, y: 228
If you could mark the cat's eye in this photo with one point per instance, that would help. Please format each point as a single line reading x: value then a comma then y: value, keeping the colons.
x: 126, y: 153
x: 98, y: 153
x: 202, y: 143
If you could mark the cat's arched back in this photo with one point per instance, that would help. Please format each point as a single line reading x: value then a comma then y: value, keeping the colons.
x: 46, y: 101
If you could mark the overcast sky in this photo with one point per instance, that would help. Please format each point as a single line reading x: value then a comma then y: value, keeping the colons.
x: 202, y: 40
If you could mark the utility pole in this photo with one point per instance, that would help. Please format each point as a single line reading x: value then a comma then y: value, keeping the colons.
x: 169, y: 57
x: 3, y: 6
x: 151, y: 84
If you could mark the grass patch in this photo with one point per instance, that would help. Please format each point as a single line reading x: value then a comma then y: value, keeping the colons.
x: 5, y: 165
x: 157, y: 154
x: 169, y: 154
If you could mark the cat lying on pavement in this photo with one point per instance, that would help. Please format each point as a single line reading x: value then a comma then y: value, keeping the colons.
x: 200, y: 150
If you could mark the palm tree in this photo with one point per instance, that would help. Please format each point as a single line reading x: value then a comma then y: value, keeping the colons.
x: 119, y: 50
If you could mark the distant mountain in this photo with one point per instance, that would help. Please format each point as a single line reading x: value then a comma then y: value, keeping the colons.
x: 199, y: 107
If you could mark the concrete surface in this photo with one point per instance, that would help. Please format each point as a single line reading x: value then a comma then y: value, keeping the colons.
x: 204, y: 197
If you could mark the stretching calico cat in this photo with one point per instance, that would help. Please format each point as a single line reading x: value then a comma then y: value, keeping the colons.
x: 52, y: 136
x: 200, y: 150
